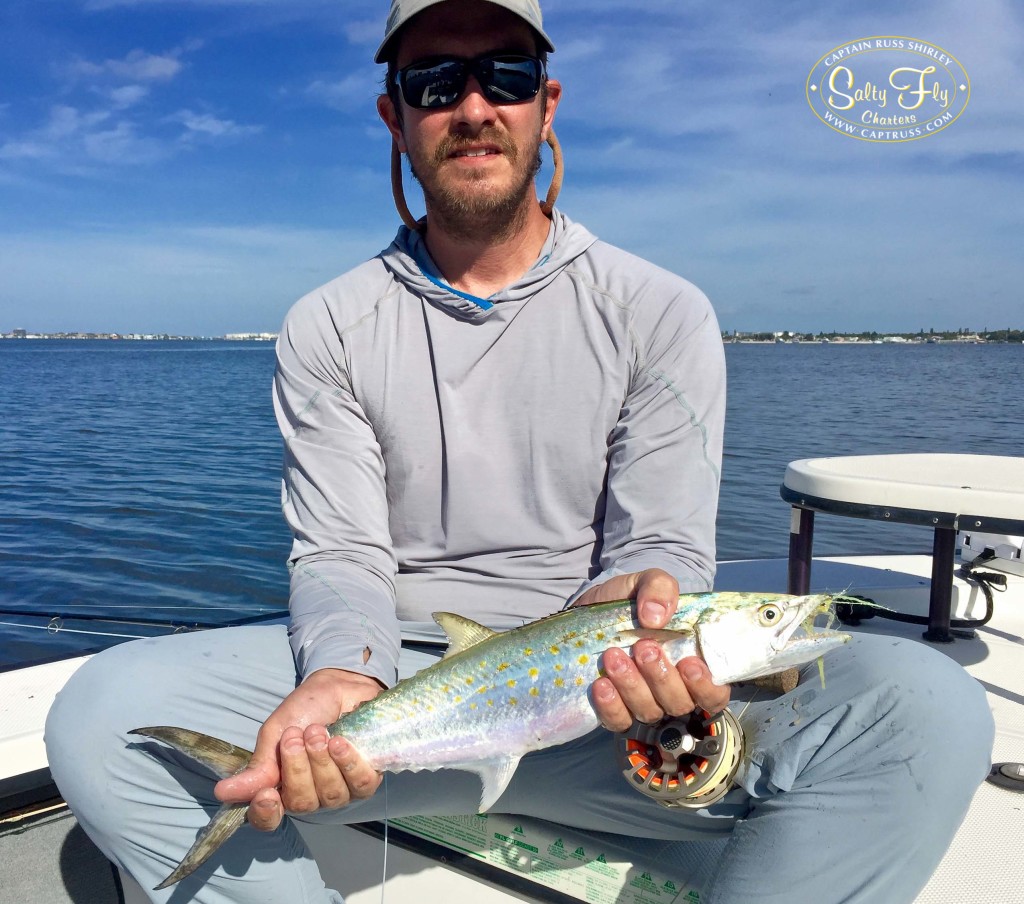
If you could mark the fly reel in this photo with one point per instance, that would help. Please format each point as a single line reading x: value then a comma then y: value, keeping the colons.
x: 683, y: 761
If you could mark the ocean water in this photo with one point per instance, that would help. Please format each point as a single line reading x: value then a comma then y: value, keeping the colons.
x: 140, y: 480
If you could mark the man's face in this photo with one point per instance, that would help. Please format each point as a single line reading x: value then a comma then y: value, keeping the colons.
x: 476, y: 160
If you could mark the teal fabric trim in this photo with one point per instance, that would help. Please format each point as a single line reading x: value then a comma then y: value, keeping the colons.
x: 479, y: 302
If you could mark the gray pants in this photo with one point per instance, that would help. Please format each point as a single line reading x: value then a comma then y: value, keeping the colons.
x: 851, y: 793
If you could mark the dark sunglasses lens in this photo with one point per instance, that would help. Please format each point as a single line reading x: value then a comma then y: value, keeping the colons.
x: 433, y: 86
x: 508, y: 80
x: 504, y: 80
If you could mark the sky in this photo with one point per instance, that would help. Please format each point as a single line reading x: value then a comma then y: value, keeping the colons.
x: 195, y: 166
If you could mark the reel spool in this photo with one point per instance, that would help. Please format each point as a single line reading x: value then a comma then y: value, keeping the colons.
x: 683, y: 761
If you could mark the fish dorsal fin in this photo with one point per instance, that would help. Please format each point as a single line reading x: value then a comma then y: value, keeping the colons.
x: 462, y: 632
x: 494, y: 777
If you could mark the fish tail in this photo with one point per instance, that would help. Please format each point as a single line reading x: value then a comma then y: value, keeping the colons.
x: 223, y: 759
x: 218, y: 830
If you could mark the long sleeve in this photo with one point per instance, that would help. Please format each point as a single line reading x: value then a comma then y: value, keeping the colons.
x: 664, y: 455
x: 343, y: 565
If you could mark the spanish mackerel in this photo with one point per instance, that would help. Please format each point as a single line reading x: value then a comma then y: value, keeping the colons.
x: 495, y: 697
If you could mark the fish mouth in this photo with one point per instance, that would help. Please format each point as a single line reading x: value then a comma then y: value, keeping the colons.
x: 804, y: 640
x: 821, y: 608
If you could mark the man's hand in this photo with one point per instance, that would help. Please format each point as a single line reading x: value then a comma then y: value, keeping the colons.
x: 296, y: 766
x: 646, y: 687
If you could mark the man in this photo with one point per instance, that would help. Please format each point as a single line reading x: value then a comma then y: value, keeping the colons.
x: 495, y: 415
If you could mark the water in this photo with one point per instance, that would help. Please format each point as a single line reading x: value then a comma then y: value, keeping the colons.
x: 138, y: 478
x: 788, y: 402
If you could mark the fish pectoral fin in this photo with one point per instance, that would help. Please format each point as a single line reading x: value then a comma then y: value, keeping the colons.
x: 220, y: 757
x: 223, y: 825
x: 494, y: 776
x: 462, y: 632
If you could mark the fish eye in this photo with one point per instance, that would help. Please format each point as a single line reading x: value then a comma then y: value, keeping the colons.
x: 769, y: 614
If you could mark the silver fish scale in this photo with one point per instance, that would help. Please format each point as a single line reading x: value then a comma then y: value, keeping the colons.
x: 520, y: 690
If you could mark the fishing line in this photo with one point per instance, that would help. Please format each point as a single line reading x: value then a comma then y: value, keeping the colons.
x: 63, y: 630
x: 148, y: 607
x: 71, y: 615
x: 753, y: 697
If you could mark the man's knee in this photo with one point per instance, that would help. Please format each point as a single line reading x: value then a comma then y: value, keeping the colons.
x: 82, y: 722
x: 931, y: 700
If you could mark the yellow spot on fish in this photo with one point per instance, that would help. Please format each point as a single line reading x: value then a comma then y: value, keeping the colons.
x: 490, y: 703
x: 559, y: 682
x: 469, y: 680
x: 472, y: 706
x: 511, y: 682
x: 555, y: 649
x: 483, y: 663
x: 579, y: 643
x: 512, y: 701
x: 600, y: 635
x: 458, y: 699
x: 558, y: 666
x: 579, y: 682
x: 533, y: 673
x: 584, y: 659
x: 528, y: 651
x: 483, y: 689
x: 534, y: 692
x: 502, y: 667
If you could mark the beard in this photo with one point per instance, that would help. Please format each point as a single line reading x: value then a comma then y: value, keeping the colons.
x: 471, y: 209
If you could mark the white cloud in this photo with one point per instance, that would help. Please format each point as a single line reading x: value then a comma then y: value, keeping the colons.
x: 138, y: 65
x: 208, y: 125
x: 365, y: 31
x: 117, y: 130
x: 66, y: 120
x: 121, y: 144
x: 71, y: 139
x: 25, y: 149
x: 127, y: 96
x: 354, y: 92
x: 576, y: 50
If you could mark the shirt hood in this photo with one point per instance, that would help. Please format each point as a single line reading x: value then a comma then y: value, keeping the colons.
x: 410, y: 263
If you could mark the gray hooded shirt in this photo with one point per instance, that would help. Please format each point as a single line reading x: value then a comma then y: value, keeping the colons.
x: 493, y: 457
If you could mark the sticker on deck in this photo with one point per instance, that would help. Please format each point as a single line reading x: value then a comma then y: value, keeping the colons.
x: 552, y: 856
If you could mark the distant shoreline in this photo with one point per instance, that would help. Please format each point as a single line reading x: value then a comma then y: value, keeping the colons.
x: 730, y: 341
x: 994, y: 337
x: 143, y: 337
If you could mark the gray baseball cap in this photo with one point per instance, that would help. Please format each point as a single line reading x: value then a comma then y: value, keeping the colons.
x: 403, y: 10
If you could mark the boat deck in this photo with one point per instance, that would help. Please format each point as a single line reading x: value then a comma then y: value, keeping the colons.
x: 44, y: 856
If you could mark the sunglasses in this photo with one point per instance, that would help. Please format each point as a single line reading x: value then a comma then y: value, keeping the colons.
x: 506, y: 78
